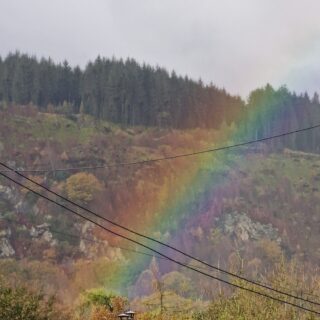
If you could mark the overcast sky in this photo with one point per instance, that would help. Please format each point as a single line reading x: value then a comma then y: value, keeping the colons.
x: 236, y: 44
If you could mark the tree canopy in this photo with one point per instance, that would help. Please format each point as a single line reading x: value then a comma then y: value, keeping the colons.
x: 123, y: 92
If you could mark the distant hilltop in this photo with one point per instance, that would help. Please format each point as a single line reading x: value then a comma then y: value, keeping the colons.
x: 129, y: 94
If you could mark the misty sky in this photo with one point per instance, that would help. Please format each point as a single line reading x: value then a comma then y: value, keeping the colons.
x: 236, y: 44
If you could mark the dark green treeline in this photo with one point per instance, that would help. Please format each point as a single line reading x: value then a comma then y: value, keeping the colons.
x: 120, y: 91
x: 129, y: 94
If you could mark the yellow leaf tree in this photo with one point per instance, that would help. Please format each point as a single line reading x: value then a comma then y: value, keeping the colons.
x: 82, y: 187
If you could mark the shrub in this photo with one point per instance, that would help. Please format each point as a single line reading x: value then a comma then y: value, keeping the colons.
x: 21, y: 304
x: 82, y: 187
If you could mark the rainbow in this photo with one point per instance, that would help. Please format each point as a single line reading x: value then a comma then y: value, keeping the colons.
x: 202, y: 179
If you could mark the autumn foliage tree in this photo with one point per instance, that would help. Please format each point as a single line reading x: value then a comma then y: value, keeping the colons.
x: 21, y: 304
x: 246, y: 305
x: 82, y: 187
x: 97, y: 304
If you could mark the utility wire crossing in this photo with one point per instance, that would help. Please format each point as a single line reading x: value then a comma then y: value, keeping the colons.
x: 73, y: 236
x: 280, y: 300
x: 160, y: 242
x: 183, y: 155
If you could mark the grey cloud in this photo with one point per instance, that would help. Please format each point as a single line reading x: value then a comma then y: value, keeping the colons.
x: 238, y: 45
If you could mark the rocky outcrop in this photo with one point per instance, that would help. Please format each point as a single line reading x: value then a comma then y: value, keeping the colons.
x: 42, y: 231
x: 241, y: 227
x: 6, y: 193
x: 6, y: 249
x: 14, y: 197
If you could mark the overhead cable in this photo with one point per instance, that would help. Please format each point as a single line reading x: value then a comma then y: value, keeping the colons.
x: 280, y: 300
x: 182, y: 155
x: 158, y: 241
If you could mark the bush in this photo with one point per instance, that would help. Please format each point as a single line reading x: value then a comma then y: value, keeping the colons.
x: 97, y: 304
x: 20, y: 304
x: 82, y: 187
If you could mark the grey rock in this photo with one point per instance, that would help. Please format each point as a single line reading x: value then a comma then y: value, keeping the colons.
x: 6, y: 250
x: 242, y: 227
x: 5, y: 233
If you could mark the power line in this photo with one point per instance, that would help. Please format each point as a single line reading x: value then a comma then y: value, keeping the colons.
x: 182, y: 155
x: 159, y: 242
x: 280, y: 300
x: 91, y: 240
x: 132, y: 250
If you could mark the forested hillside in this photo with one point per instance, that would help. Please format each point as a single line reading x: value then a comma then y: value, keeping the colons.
x: 130, y: 94
x: 120, y: 91
x: 253, y: 210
